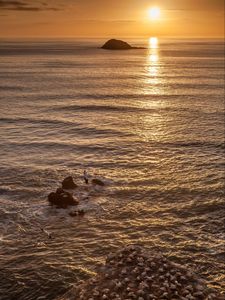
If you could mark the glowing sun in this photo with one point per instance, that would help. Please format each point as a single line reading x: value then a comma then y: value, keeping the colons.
x: 154, y: 13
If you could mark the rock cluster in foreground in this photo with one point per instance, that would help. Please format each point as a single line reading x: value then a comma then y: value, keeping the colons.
x: 63, y: 196
x: 133, y: 273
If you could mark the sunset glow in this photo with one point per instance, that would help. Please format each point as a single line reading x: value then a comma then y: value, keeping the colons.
x: 112, y: 139
x: 154, y: 13
x: 60, y: 18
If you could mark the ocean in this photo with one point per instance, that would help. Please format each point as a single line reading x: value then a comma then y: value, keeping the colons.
x: 148, y: 122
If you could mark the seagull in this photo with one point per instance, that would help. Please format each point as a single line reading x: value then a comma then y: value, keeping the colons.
x: 85, y: 177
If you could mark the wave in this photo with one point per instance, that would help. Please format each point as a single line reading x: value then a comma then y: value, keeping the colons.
x: 64, y: 146
x: 110, y: 108
x: 68, y: 126
x: 38, y: 121
x: 196, y: 144
x: 129, y: 109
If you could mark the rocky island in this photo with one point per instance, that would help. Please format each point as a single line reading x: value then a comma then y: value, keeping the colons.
x: 114, y: 44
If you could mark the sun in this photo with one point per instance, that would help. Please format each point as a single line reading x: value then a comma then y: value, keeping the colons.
x: 154, y: 13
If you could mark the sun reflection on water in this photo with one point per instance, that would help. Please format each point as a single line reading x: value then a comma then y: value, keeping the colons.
x: 152, y: 118
x: 153, y: 58
x: 153, y: 43
x: 153, y: 66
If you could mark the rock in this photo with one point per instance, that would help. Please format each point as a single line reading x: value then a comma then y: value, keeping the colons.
x: 76, y: 213
x: 62, y: 199
x: 53, y: 197
x: 97, y: 181
x: 81, y: 212
x: 73, y: 213
x: 59, y: 191
x: 114, y: 44
x: 68, y: 183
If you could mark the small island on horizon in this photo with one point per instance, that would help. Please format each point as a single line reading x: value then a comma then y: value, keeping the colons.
x: 114, y: 44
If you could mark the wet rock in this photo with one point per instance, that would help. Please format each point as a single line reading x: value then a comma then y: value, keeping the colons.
x: 73, y: 213
x: 81, y: 212
x: 68, y: 183
x: 97, y: 181
x: 59, y: 191
x: 53, y: 197
x: 76, y: 213
x: 62, y: 199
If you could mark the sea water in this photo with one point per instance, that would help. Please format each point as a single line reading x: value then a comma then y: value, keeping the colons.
x: 148, y: 122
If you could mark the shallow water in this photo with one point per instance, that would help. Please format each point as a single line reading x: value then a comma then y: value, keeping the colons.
x: 149, y: 122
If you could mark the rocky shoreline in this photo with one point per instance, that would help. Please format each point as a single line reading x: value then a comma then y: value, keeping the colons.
x: 134, y: 273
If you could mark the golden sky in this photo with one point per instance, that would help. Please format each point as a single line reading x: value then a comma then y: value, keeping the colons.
x: 111, y: 18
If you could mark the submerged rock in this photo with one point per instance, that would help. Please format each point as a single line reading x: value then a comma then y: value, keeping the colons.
x: 73, y: 213
x: 62, y: 199
x: 133, y: 273
x: 68, y: 183
x: 76, y: 213
x: 81, y: 212
x: 97, y: 181
x: 114, y: 44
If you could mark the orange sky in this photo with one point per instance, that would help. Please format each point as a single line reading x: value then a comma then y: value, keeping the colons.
x: 111, y: 18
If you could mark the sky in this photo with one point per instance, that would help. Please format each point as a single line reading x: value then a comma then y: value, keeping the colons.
x: 111, y: 18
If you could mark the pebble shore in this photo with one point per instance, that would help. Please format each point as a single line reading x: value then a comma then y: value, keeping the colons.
x: 135, y: 274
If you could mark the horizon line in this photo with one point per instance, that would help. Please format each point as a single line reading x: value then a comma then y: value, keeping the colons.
x: 114, y: 36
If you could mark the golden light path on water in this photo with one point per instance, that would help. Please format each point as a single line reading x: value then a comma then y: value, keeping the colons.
x: 153, y: 60
x: 154, y: 67
x: 152, y: 87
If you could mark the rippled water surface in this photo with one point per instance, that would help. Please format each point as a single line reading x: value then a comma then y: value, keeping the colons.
x: 148, y: 122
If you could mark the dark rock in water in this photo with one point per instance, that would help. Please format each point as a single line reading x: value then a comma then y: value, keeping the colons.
x: 62, y: 200
x: 114, y: 44
x: 68, y: 183
x: 81, y: 212
x: 59, y: 191
x: 96, y: 181
x: 53, y: 197
x: 76, y: 213
x: 73, y: 213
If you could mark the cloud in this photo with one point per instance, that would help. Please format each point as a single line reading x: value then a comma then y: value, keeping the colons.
x: 20, y: 5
